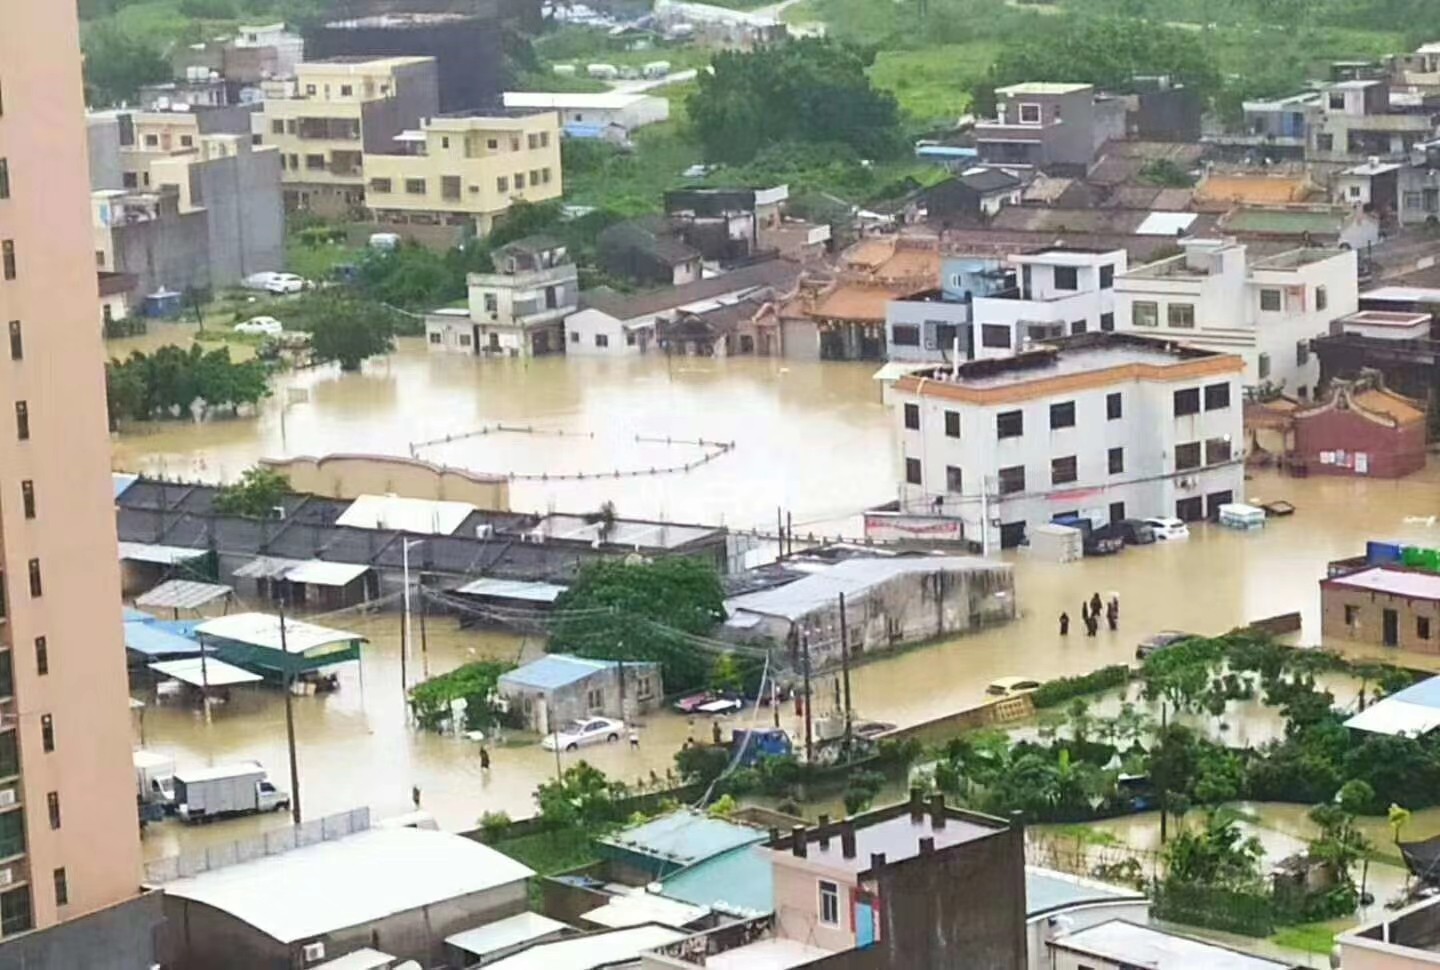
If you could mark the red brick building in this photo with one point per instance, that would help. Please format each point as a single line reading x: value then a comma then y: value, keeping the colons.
x: 1361, y: 430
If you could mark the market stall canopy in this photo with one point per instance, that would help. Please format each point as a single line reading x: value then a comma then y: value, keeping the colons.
x: 267, y: 567
x: 317, y: 572
x: 158, y: 640
x: 211, y: 673
x: 183, y: 594
x: 157, y: 554
x: 254, y: 641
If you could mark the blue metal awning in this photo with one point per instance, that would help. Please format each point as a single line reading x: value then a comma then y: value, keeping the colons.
x: 159, y: 640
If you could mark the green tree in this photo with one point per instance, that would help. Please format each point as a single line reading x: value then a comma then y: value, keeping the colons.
x: 1172, y: 764
x: 475, y: 683
x: 346, y: 329
x: 117, y: 64
x: 169, y: 382
x: 643, y: 611
x: 810, y: 90
x: 583, y: 796
x: 1218, y: 855
x: 258, y: 491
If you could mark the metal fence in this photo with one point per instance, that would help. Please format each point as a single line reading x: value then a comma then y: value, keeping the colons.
x: 274, y: 842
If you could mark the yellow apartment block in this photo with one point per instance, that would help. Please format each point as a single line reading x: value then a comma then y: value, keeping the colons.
x: 466, y: 169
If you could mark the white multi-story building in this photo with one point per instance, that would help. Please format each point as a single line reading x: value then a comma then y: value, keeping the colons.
x: 1107, y: 426
x: 1060, y: 292
x: 1267, y: 311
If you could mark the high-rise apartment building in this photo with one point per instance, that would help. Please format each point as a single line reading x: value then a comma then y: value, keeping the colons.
x: 69, y: 839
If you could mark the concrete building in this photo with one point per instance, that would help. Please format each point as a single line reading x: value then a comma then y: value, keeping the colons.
x: 465, y: 169
x: 124, y: 144
x: 399, y: 890
x: 1057, y: 903
x: 1049, y: 126
x: 1119, y: 944
x: 878, y: 891
x: 650, y: 251
x: 1266, y: 310
x: 1107, y: 426
x: 148, y: 238
x: 262, y: 51
x: 1354, y: 121
x: 333, y: 114
x: 889, y: 603
x: 556, y: 689
x: 1403, y: 940
x: 68, y: 833
x: 1060, y: 292
x: 517, y: 311
x: 1383, y: 607
x: 590, y: 115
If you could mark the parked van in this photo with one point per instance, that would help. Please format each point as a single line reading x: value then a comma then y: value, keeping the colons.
x: 203, y: 794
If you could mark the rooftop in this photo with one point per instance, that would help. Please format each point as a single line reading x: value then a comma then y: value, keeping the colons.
x: 513, y: 931
x: 774, y: 953
x: 330, y: 886
x: 1401, y: 294
x: 1413, y: 711
x: 590, y: 951
x: 608, y: 100
x: 894, y: 832
x: 1386, y: 318
x: 773, y: 272
x: 1410, y: 584
x: 740, y: 882
x: 1048, y: 891
x: 419, y: 516
x: 1297, y: 259
x: 858, y: 301
x: 1254, y: 188
x: 1043, y: 87
x: 1124, y: 943
x: 852, y: 577
x: 553, y: 671
x: 684, y: 837
x: 263, y: 630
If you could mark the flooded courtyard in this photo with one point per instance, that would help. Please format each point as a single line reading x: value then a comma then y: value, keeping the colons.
x: 811, y: 438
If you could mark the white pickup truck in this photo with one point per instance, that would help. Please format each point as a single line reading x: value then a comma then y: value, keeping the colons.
x: 203, y: 794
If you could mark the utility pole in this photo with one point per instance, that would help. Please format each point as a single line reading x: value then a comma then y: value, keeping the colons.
x: 204, y: 680
x: 845, y: 672
x: 424, y: 642
x: 809, y: 722
x: 780, y: 533
x: 290, y: 719
x: 789, y: 534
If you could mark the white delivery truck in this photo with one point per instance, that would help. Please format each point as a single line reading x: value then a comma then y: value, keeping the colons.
x: 202, y: 794
x: 154, y: 778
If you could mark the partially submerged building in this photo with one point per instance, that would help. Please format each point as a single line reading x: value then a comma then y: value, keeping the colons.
x: 1361, y: 429
x: 1383, y: 606
x: 558, y: 688
x: 889, y: 602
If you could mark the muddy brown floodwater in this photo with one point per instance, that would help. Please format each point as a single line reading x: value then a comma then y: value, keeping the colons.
x: 811, y: 437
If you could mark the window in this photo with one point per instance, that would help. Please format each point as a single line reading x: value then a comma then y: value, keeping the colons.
x: 415, y: 186
x: 62, y: 889
x: 1270, y: 301
x: 912, y: 417
x: 383, y: 186
x: 1181, y: 315
x: 465, y: 339
x: 17, y: 341
x: 1217, y: 397
x: 532, y: 141
x: 1322, y: 298
x: 644, y: 688
x: 1187, y: 456
x: 1262, y: 366
x: 502, y: 184
x: 52, y: 802
x: 1107, y: 277
x: 152, y: 141
x: 7, y: 259
x: 47, y: 732
x: 4, y: 178
x: 1011, y: 480
x: 519, y: 181
x: 1114, y: 407
x: 1422, y: 627
x: 7, y: 673
x: 27, y: 498
x: 1190, y: 509
x: 952, y: 424
x: 1107, y: 322
x: 36, y: 588
x: 905, y: 335
x: 1217, y: 451
x: 22, y: 420
x: 492, y: 302
x: 1117, y: 512
x: 1067, y: 278
x: 315, y: 163
x: 1029, y: 114
x: 129, y: 180
x: 829, y: 903
x: 914, y: 474
x: 1352, y: 615
x: 186, y: 141
x: 574, y: 336
x: 277, y: 127
x: 1009, y: 424
x: 595, y: 698
x: 953, y: 479
x: 629, y: 338
x: 514, y: 143
x: 1116, y: 458
x: 1302, y: 353
x: 945, y: 335
x: 545, y: 143
x: 1337, y: 101
x: 435, y: 337
x: 9, y: 768
x: 602, y: 340
x: 16, y: 915
x: 492, y: 144
x: 1145, y: 313
x: 1062, y: 415
x: 994, y: 335
x: 545, y: 175
x: 1187, y: 402
x: 310, y: 90
x: 1063, y: 471
x: 1078, y: 327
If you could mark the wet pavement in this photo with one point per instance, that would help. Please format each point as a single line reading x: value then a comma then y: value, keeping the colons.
x: 811, y: 437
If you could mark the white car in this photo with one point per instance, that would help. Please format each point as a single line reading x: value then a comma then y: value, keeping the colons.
x: 1168, y: 528
x: 261, y: 327
x: 1012, y: 687
x: 577, y: 734
x: 280, y: 283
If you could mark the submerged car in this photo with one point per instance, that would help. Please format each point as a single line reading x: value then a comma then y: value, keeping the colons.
x: 1168, y: 528
x: 1159, y: 641
x: 261, y: 327
x: 709, y: 702
x: 582, y: 732
x: 1135, y: 532
x: 1012, y: 686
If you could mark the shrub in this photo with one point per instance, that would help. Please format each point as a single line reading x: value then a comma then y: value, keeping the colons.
x: 1062, y: 689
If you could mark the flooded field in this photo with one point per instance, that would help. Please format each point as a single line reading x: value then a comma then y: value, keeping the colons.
x: 811, y: 437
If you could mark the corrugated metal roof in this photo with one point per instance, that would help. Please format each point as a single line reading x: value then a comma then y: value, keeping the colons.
x: 414, y: 515
x: 514, y: 590
x: 684, y: 837
x: 157, y: 554
x: 154, y: 640
x: 740, y: 882
x: 616, y: 947
x: 552, y: 671
x: 183, y: 594
x: 853, y: 577
x: 215, y: 673
x: 263, y: 630
x: 317, y: 572
x: 493, y: 937
x: 1047, y: 891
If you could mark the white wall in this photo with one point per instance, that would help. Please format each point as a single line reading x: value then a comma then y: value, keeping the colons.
x: 582, y: 330
x: 1078, y: 918
x: 1148, y: 431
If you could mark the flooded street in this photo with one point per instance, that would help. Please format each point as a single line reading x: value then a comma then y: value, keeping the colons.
x: 811, y: 437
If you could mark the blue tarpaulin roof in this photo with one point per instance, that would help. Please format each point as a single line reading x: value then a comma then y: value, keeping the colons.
x: 555, y: 670
x: 160, y: 639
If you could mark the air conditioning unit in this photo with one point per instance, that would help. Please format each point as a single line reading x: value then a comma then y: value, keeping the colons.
x: 7, y: 876
x: 313, y: 952
x: 485, y: 531
x: 7, y: 797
